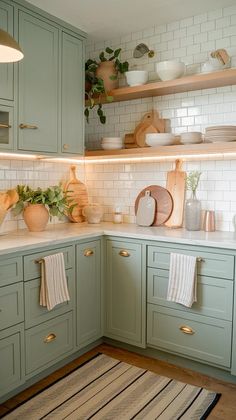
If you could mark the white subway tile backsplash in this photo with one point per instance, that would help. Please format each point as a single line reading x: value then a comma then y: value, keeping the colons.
x: 190, y: 40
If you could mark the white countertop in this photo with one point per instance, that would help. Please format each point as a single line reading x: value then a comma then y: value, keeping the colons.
x: 63, y: 233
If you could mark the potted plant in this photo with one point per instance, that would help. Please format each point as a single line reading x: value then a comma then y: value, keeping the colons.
x: 102, y: 77
x: 38, y: 205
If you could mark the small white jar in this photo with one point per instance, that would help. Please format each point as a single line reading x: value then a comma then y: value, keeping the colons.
x: 117, y: 216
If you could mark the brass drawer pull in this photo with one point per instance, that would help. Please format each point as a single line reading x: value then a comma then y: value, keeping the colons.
x: 29, y: 126
x: 65, y: 146
x: 5, y: 125
x: 124, y: 253
x: 200, y: 259
x: 186, y: 330
x: 88, y: 252
x: 49, y: 338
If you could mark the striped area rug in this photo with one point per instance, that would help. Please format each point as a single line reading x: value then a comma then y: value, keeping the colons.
x: 105, y: 388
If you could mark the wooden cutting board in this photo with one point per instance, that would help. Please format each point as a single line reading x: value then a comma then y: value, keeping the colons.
x: 164, y: 203
x: 150, y: 123
x: 78, y: 195
x: 176, y: 181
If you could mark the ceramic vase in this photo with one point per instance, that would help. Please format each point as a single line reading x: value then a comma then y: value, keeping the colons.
x: 104, y: 71
x: 193, y: 213
x: 36, y: 217
x: 93, y: 213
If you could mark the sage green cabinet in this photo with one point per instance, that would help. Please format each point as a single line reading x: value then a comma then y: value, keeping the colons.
x: 49, y: 342
x: 72, y: 119
x: 89, y: 290
x: 11, y: 358
x: 36, y: 314
x: 124, y: 289
x: 11, y: 305
x: 6, y: 70
x: 38, y: 85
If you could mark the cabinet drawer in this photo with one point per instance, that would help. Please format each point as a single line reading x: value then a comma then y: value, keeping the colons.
x: 214, y: 295
x: 11, y: 305
x: 11, y: 271
x: 34, y: 313
x: 213, y: 265
x: 10, y: 359
x: 210, y: 341
x: 32, y: 267
x: 48, y: 342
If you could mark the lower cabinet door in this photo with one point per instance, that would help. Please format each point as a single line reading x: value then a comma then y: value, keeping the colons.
x: 11, y: 369
x: 195, y: 336
x: 123, y: 291
x: 89, y: 316
x: 36, y: 314
x: 48, y: 343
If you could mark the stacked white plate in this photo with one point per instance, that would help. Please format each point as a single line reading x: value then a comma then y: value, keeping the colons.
x: 220, y: 133
x: 111, y: 143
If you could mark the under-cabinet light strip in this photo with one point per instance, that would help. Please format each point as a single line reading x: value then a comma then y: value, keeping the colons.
x: 84, y: 160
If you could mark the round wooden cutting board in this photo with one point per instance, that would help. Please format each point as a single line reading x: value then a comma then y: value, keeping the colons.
x: 164, y: 203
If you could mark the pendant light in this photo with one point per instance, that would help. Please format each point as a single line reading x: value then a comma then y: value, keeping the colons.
x: 10, y: 50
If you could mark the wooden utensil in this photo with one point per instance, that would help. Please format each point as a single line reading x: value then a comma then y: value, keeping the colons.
x: 176, y: 181
x: 78, y: 195
x: 129, y: 141
x: 150, y: 123
x: 146, y: 210
x: 164, y: 203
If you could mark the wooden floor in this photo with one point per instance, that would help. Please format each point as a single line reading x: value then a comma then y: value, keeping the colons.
x: 224, y: 410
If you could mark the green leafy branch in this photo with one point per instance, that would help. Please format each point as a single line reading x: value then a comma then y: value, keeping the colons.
x: 192, y: 180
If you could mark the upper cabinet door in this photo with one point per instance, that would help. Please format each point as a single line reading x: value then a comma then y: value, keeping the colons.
x: 6, y: 70
x: 72, y: 95
x: 38, y: 85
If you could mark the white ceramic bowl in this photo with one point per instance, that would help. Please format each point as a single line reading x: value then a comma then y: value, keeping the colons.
x: 136, y: 77
x: 111, y: 146
x: 159, y: 139
x: 170, y: 70
x: 192, y: 137
x: 112, y: 139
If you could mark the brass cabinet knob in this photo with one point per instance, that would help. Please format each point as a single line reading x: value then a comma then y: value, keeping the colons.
x: 124, y: 253
x: 186, y: 330
x: 5, y: 125
x: 50, y: 337
x: 29, y: 126
x: 88, y: 252
x: 65, y: 146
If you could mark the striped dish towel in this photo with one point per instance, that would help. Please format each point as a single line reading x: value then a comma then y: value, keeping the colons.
x: 182, y: 286
x: 53, y: 288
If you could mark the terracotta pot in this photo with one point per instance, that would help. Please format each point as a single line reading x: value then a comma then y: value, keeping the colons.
x: 104, y: 71
x: 36, y: 217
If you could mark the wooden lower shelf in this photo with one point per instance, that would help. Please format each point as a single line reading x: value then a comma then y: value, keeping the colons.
x: 204, y: 150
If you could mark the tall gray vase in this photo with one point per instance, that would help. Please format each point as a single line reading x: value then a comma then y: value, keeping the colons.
x: 193, y: 213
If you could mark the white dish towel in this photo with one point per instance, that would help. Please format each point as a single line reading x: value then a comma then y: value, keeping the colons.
x: 53, y: 288
x: 182, y: 286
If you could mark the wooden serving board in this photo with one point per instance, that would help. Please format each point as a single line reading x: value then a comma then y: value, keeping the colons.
x: 176, y: 181
x: 150, y: 123
x: 164, y: 203
x: 78, y: 195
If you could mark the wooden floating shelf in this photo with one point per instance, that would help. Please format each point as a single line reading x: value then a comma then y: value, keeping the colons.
x: 220, y: 150
x: 184, y: 84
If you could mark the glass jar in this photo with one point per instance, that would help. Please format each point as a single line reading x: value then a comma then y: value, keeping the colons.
x: 117, y: 216
x: 193, y: 213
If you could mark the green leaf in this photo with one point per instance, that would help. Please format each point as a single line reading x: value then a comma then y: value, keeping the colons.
x: 102, y: 57
x: 103, y: 119
x: 109, y: 50
x: 109, y: 98
x: 117, y: 52
x: 113, y: 77
x: 86, y: 113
